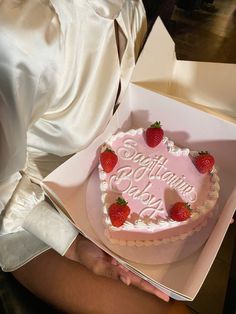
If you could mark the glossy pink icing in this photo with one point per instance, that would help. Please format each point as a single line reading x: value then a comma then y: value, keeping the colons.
x: 151, y: 180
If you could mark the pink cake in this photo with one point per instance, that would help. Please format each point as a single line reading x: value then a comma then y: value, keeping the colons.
x: 152, y: 180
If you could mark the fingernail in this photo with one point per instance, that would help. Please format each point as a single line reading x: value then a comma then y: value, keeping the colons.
x: 163, y: 296
x: 125, y: 280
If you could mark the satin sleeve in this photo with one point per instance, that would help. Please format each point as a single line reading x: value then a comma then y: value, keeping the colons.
x: 15, y: 80
x: 23, y: 101
x: 28, y: 213
x: 49, y: 64
x: 28, y: 37
x: 18, y: 87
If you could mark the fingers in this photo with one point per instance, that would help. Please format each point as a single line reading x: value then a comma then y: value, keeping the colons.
x: 127, y: 277
x: 126, y: 280
x: 109, y: 268
x: 104, y: 265
x: 146, y: 286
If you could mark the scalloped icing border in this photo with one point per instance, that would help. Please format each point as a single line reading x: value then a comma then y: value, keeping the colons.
x: 210, y: 203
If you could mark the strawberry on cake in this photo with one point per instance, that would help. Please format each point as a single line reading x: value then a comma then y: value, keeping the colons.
x: 153, y: 191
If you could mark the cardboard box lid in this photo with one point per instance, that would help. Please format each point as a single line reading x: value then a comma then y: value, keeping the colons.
x: 207, y: 86
x: 157, y: 76
x: 70, y: 189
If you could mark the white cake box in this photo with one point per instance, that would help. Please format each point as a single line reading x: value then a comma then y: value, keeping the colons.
x: 189, y: 123
x: 205, y: 85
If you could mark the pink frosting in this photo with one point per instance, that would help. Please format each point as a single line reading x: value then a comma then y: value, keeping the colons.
x: 152, y: 180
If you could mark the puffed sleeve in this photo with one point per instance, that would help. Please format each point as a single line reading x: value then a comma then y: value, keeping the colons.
x: 22, y: 66
x: 25, y: 46
x: 17, y: 89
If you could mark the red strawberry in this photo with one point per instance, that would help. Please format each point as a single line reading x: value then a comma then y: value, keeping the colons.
x: 119, y: 212
x: 204, y: 162
x: 154, y: 134
x: 108, y: 160
x: 180, y: 211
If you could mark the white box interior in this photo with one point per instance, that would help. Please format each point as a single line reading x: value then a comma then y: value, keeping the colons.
x: 182, y: 279
x: 159, y: 80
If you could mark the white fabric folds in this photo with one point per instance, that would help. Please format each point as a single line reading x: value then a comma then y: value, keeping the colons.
x: 62, y: 63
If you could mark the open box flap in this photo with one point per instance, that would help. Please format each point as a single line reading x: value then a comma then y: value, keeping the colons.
x: 207, y: 86
x: 156, y: 62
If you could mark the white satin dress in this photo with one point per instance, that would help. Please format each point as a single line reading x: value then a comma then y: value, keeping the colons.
x: 62, y: 65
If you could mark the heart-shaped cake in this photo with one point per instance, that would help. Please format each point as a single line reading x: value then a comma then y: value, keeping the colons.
x: 153, y: 191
